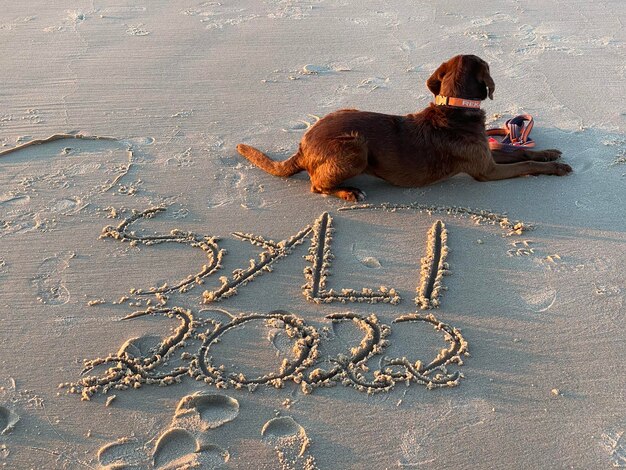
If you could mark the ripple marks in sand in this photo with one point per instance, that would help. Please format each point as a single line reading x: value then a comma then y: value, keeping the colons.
x: 290, y: 442
x: 207, y: 244
x: 433, y: 268
x: 49, y: 282
x: 320, y: 256
x: 8, y: 420
x: 515, y: 227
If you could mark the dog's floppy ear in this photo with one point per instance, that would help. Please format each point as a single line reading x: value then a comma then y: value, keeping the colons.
x: 434, y: 82
x: 487, y: 81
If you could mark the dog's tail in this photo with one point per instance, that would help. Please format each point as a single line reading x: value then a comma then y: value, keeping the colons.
x: 285, y: 168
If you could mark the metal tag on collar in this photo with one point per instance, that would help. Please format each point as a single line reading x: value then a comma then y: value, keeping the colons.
x: 441, y: 100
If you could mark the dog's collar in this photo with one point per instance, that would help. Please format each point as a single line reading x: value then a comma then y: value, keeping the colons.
x: 441, y: 100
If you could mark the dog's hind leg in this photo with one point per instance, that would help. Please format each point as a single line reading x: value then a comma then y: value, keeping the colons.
x: 342, y: 192
x: 349, y: 159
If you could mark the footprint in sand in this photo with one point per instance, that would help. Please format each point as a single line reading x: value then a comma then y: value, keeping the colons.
x: 65, y: 206
x: 183, y: 444
x: 182, y: 160
x: 125, y: 453
x: 421, y: 444
x: 222, y: 193
x: 301, y: 124
x: 249, y: 192
x: 252, y: 199
x: 540, y: 296
x: 296, y: 126
x: 140, y: 347
x: 311, y: 69
x: 16, y: 214
x: 8, y: 420
x: 205, y: 411
x: 364, y: 257
x: 137, y: 141
x: 49, y: 282
x: 542, y: 300
x: 137, y: 30
x: 177, y: 448
x: 290, y: 442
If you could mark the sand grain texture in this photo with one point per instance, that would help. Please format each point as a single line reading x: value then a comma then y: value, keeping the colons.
x: 225, y: 318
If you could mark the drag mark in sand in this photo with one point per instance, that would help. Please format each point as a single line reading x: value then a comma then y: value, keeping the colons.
x: 320, y: 256
x: 54, y: 137
x: 8, y: 420
x: 433, y: 268
x: 206, y: 244
x: 515, y: 227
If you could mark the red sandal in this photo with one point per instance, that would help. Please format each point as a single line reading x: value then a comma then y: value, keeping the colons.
x: 516, y: 133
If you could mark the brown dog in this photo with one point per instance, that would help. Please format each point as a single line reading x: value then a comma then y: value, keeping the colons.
x: 443, y: 140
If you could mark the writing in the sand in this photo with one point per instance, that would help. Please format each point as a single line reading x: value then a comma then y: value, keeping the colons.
x: 170, y: 360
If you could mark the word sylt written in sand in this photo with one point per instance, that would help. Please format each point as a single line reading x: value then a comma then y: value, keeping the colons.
x: 320, y: 257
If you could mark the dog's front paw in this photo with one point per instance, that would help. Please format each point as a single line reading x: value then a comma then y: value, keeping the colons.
x: 562, y: 169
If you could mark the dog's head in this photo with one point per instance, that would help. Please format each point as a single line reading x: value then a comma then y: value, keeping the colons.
x: 463, y: 76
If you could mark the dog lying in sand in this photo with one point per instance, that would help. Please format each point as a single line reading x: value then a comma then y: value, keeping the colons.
x: 446, y: 138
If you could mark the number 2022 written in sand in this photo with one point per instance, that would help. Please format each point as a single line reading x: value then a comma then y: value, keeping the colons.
x: 167, y: 362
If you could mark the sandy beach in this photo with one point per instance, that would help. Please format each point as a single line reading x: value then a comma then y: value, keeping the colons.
x: 165, y: 304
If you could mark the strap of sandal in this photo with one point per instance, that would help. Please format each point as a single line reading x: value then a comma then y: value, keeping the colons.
x: 516, y: 132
